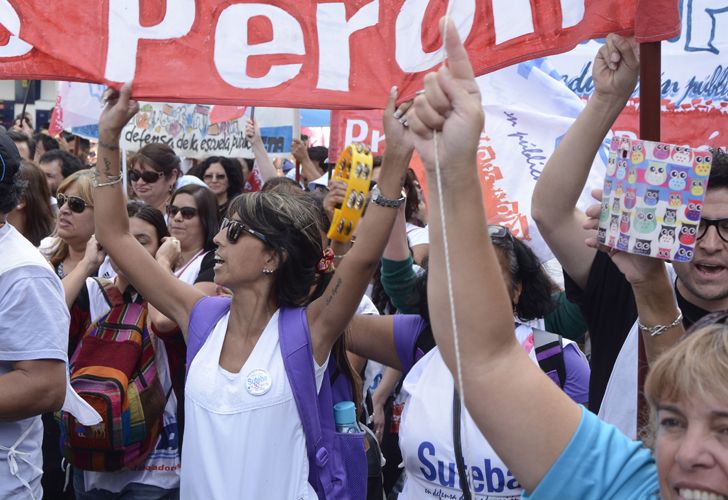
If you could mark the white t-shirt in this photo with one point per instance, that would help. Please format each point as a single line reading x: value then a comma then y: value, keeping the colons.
x: 189, y: 272
x: 34, y: 323
x: 417, y: 235
x: 426, y: 440
x: 162, y: 466
x: 243, y: 434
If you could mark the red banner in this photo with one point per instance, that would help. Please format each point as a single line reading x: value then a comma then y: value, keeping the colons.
x: 301, y: 53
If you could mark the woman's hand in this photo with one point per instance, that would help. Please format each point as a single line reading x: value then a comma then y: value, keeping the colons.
x: 169, y: 253
x: 252, y: 132
x: 334, y: 198
x: 93, y: 257
x: 637, y: 269
x: 616, y: 67
x: 119, y: 108
x: 450, y: 105
x: 396, y: 127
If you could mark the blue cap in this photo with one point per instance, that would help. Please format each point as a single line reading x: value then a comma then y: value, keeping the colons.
x: 345, y: 413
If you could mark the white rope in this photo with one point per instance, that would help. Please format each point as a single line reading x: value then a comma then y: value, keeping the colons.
x: 448, y: 271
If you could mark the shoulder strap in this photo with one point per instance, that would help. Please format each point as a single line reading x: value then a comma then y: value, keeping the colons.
x: 457, y: 444
x: 295, y: 340
x: 205, y: 315
x: 112, y: 294
x: 550, y: 353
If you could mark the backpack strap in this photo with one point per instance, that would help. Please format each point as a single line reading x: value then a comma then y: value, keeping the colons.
x: 550, y: 353
x: 458, y: 445
x: 205, y: 315
x: 113, y: 295
x: 295, y: 340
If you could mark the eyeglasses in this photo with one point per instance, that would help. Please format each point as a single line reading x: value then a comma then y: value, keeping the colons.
x: 721, y: 226
x: 76, y: 204
x: 216, y: 177
x: 235, y: 228
x: 148, y: 176
x: 187, y: 212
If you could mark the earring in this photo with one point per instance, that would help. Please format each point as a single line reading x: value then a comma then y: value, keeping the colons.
x: 267, y: 271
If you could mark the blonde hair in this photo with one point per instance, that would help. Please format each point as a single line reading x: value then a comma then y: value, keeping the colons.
x: 696, y: 367
x: 84, y: 180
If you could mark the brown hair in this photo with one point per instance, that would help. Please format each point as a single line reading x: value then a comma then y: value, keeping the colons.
x: 158, y: 156
x: 84, y: 178
x: 38, y: 214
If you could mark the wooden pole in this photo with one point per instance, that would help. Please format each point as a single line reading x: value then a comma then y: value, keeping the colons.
x: 650, y: 100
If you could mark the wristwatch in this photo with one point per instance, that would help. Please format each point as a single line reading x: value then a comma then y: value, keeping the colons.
x: 380, y: 200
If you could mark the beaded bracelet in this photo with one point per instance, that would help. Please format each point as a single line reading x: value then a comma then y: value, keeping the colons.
x: 656, y: 330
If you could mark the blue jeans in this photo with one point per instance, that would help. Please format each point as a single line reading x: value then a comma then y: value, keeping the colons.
x: 132, y: 491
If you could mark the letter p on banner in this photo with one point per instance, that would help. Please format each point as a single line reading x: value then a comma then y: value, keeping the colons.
x: 125, y: 31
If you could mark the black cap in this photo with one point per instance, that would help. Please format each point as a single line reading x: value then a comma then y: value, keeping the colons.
x: 9, y: 159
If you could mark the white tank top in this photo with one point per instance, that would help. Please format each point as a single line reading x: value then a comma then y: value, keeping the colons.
x: 243, y: 434
x: 426, y: 437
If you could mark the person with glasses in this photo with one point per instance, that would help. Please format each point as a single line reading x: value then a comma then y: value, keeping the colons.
x: 243, y: 433
x: 556, y: 448
x: 591, y: 278
x: 224, y: 177
x: 153, y: 174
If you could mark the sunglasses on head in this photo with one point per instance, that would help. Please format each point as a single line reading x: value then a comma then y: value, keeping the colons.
x: 235, y: 228
x: 75, y: 203
x: 498, y: 231
x: 187, y: 212
x: 148, y: 176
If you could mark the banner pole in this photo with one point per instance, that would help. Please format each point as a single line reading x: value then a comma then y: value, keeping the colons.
x: 25, y: 100
x: 650, y: 100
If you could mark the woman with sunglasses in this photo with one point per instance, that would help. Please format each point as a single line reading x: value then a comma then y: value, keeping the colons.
x: 153, y: 174
x: 554, y: 447
x: 432, y: 413
x: 224, y: 177
x: 243, y: 434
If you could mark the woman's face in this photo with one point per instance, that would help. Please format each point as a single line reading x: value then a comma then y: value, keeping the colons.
x: 73, y: 227
x: 153, y: 193
x: 691, y: 449
x: 145, y: 234
x: 216, y: 179
x: 189, y: 232
x: 241, y: 263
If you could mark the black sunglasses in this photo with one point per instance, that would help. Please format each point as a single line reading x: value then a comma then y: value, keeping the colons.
x: 148, y: 176
x: 187, y: 212
x: 498, y: 231
x: 75, y: 203
x: 721, y: 225
x: 235, y: 228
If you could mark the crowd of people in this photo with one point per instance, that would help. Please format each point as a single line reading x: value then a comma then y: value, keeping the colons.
x: 201, y: 338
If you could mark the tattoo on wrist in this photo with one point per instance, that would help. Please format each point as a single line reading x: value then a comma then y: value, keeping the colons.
x: 333, y: 292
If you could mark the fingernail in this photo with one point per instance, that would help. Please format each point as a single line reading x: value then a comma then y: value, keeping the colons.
x: 397, y: 114
x: 393, y: 91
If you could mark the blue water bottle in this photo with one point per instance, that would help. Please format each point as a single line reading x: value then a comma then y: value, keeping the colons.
x: 345, y: 417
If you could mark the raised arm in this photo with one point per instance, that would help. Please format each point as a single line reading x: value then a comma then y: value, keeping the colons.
x: 329, y: 314
x: 310, y: 171
x: 532, y: 413
x: 74, y: 281
x: 265, y: 165
x: 653, y: 291
x: 171, y: 296
x: 615, y: 72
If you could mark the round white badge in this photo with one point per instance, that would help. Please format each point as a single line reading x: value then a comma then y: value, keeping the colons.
x: 258, y: 382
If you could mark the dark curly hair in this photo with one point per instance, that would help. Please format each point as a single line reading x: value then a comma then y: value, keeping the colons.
x: 232, y: 168
x: 719, y: 170
x: 536, y: 299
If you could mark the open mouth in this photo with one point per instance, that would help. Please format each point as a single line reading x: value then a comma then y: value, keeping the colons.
x: 709, y: 270
x: 694, y: 494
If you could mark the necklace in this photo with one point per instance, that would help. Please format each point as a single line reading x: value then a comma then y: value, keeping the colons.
x: 59, y: 270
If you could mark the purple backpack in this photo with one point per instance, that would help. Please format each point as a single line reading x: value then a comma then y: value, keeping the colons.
x: 337, y: 462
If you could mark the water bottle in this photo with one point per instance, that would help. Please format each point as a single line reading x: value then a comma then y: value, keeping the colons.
x: 345, y: 417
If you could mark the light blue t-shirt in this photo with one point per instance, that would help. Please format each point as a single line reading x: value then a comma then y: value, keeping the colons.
x: 600, y: 462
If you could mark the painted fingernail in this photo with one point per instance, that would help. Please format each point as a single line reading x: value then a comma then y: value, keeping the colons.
x: 420, y: 92
x: 397, y: 114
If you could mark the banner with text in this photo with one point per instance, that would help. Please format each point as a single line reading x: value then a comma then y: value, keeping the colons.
x: 694, y: 78
x: 301, y: 53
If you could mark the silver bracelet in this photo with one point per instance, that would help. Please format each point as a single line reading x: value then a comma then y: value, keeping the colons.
x: 112, y: 179
x: 656, y: 330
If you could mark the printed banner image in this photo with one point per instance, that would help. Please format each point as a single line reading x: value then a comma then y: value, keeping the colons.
x: 302, y: 53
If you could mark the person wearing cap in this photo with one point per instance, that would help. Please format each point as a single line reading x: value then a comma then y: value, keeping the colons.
x: 34, y: 322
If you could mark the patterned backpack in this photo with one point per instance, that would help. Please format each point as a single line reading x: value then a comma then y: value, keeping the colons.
x: 113, y: 369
